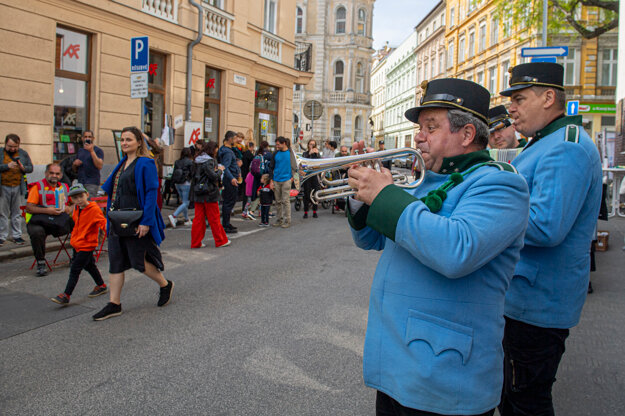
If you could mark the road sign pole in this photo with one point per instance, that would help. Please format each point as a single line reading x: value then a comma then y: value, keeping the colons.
x: 142, y: 114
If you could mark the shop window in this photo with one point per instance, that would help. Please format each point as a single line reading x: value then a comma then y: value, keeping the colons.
x: 212, y: 104
x: 266, y: 113
x: 154, y: 104
x: 336, y: 128
x: 71, y: 91
x: 341, y: 15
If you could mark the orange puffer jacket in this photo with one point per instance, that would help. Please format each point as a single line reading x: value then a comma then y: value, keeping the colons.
x: 87, y: 223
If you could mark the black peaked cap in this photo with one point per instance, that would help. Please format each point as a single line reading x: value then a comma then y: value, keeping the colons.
x: 453, y: 93
x: 541, y: 74
x: 496, y: 114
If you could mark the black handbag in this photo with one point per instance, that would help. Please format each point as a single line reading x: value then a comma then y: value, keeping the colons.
x: 125, y: 221
x: 56, y: 225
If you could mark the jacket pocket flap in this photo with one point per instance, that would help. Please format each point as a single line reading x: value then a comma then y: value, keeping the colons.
x: 440, y: 334
x: 529, y: 271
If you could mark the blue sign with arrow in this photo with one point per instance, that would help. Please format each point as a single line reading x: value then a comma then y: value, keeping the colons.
x: 572, y: 107
x: 545, y: 51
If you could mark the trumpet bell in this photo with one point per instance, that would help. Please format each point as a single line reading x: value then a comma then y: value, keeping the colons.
x: 313, y: 167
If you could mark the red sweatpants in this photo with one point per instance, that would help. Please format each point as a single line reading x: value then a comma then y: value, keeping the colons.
x: 204, y: 211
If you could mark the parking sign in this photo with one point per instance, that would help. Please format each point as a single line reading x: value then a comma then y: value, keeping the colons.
x: 139, y: 54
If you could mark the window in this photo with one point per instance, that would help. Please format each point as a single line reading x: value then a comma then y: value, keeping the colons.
x: 338, y: 75
x: 266, y: 113
x: 608, y: 67
x: 433, y: 69
x: 450, y: 55
x: 216, y: 3
x: 461, y: 50
x: 212, y: 104
x: 471, y: 44
x: 336, y: 128
x: 427, y: 32
x: 71, y: 90
x: 507, y: 28
x: 494, y: 32
x: 492, y: 79
x: 358, y: 128
x: 299, y: 20
x: 441, y: 62
x: 425, y: 71
x: 155, y: 102
x: 480, y: 78
x: 362, y: 22
x: 271, y: 12
x: 570, y: 67
x: 340, y: 20
x: 506, y: 75
x: 482, y: 41
x: 360, y: 79
x: 452, y: 16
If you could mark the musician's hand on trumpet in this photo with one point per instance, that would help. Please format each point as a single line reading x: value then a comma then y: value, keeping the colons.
x: 368, y: 182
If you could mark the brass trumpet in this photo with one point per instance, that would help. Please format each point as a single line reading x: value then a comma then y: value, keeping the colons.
x: 339, y: 188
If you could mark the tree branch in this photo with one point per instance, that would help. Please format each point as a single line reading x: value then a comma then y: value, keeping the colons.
x: 603, y: 4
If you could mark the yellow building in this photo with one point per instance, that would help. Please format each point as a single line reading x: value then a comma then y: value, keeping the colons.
x: 482, y: 49
x: 65, y: 68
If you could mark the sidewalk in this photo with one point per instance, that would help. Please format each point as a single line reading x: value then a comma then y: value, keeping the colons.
x: 11, y: 250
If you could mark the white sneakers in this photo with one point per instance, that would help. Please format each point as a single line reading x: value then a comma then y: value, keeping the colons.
x: 172, y: 220
x: 227, y: 244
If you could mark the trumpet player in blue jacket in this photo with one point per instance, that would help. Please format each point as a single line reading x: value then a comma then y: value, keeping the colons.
x: 433, y: 341
x: 563, y: 171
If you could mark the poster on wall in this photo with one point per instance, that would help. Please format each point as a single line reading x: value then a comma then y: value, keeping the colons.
x: 192, y: 133
x: 208, y: 124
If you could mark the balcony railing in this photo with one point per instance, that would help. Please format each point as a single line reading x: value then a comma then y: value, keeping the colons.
x: 337, y: 97
x: 165, y: 9
x: 217, y: 23
x: 271, y: 47
x: 303, y: 56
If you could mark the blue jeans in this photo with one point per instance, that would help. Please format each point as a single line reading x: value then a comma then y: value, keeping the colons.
x: 183, y: 192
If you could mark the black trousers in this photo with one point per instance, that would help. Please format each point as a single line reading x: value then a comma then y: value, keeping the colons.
x: 387, y: 406
x: 310, y: 185
x: 531, y: 358
x: 229, y: 196
x: 37, y: 236
x: 82, y: 260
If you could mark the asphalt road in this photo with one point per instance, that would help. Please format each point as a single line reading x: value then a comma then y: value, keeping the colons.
x: 272, y: 325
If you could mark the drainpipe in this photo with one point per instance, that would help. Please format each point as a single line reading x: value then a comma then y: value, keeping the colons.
x: 200, y: 33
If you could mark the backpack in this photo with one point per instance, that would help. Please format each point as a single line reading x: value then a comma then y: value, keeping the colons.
x: 256, y: 167
x: 178, y: 176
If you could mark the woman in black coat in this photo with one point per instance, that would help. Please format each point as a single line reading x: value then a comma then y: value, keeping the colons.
x: 205, y: 195
x: 311, y: 184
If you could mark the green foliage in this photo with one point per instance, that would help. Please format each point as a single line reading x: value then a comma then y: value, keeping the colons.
x: 565, y: 16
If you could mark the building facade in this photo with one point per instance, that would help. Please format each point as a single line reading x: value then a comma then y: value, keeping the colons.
x: 65, y: 68
x: 336, y: 103
x: 481, y: 48
x: 378, y: 93
x: 431, y: 52
x: 401, y: 83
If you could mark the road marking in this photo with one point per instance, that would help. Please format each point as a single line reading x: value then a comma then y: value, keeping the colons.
x: 334, y: 336
x: 7, y: 283
x: 269, y: 363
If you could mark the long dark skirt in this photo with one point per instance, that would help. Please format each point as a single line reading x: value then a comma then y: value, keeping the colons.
x: 131, y: 252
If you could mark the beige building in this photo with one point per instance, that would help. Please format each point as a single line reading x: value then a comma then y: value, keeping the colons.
x: 338, y: 33
x: 431, y: 51
x: 65, y: 68
x: 378, y: 92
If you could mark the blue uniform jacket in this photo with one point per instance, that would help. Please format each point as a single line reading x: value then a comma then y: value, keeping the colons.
x: 435, y: 323
x: 564, y: 178
x: 146, y: 180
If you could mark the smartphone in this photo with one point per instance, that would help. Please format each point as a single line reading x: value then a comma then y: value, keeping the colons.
x: 88, y: 141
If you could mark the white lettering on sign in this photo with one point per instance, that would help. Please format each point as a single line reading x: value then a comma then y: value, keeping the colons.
x: 240, y: 79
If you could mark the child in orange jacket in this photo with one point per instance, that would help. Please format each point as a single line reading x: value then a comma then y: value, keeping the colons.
x: 89, y: 223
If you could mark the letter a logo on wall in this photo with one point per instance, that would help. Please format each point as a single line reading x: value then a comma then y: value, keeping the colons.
x: 192, y: 132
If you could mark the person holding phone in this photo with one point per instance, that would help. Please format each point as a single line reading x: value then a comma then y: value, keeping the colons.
x: 88, y: 163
